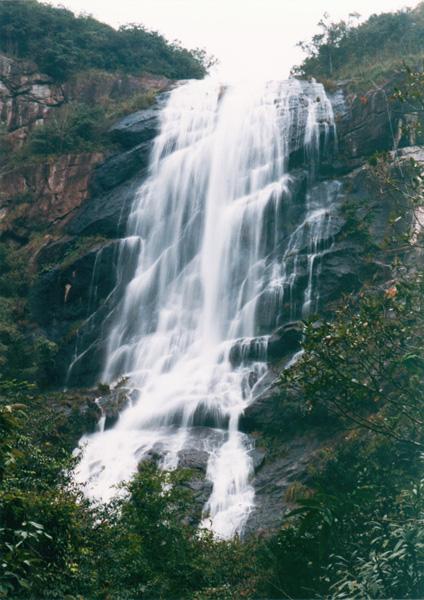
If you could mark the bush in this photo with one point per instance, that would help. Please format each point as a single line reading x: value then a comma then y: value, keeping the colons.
x: 72, y: 128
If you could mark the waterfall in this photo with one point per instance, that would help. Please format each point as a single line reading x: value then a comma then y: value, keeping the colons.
x: 220, y: 249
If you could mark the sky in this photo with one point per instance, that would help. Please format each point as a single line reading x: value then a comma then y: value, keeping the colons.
x: 251, y: 38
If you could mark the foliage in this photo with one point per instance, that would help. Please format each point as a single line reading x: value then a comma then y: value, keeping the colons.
x: 54, y: 542
x: 357, y: 532
x: 23, y: 354
x: 346, y: 49
x: 357, y: 528
x: 366, y: 366
x: 74, y: 127
x: 359, y: 535
x: 411, y: 95
x: 61, y: 44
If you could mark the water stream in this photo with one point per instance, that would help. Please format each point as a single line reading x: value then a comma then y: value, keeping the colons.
x: 214, y: 269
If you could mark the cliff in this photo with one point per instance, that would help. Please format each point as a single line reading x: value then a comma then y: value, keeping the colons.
x: 65, y: 214
x: 44, y: 187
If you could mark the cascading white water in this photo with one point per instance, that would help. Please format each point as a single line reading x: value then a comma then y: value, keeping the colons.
x: 205, y: 229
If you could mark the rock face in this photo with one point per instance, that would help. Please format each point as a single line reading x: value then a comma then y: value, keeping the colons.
x: 79, y: 294
x: 113, y: 183
x: 46, y: 193
x: 368, y: 123
x: 277, y: 413
x: 112, y: 403
x: 106, y: 213
x: 101, y: 86
x: 286, y: 340
x: 83, y: 290
x: 66, y: 211
x: 137, y: 128
x: 26, y: 98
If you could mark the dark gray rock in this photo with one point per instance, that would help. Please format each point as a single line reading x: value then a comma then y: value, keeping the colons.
x: 154, y: 455
x: 257, y: 456
x: 274, y: 479
x: 78, y: 296
x: 67, y: 289
x: 285, y: 340
x: 248, y: 350
x: 107, y: 213
x: 136, y: 128
x: 193, y: 458
x: 112, y: 189
x: 264, y: 414
x: 119, y: 168
x: 369, y: 122
x: 200, y: 490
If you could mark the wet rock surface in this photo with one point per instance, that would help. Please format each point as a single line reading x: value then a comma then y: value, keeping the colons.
x: 274, y: 478
x: 106, y: 213
x: 139, y: 127
x: 285, y: 340
x: 193, y: 460
x: 78, y: 296
x: 112, y: 404
x: 119, y: 168
x: 113, y: 184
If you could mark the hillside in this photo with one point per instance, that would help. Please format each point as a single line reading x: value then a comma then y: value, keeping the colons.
x: 317, y: 395
x: 365, y: 53
x: 62, y: 44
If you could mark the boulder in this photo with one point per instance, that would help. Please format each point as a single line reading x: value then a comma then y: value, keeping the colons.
x: 247, y: 350
x: 193, y: 458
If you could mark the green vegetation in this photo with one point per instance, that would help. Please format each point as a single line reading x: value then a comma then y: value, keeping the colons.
x: 74, y: 127
x: 357, y: 527
x: 56, y: 544
x: 61, y: 44
x: 23, y: 353
x: 357, y: 531
x: 368, y: 51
